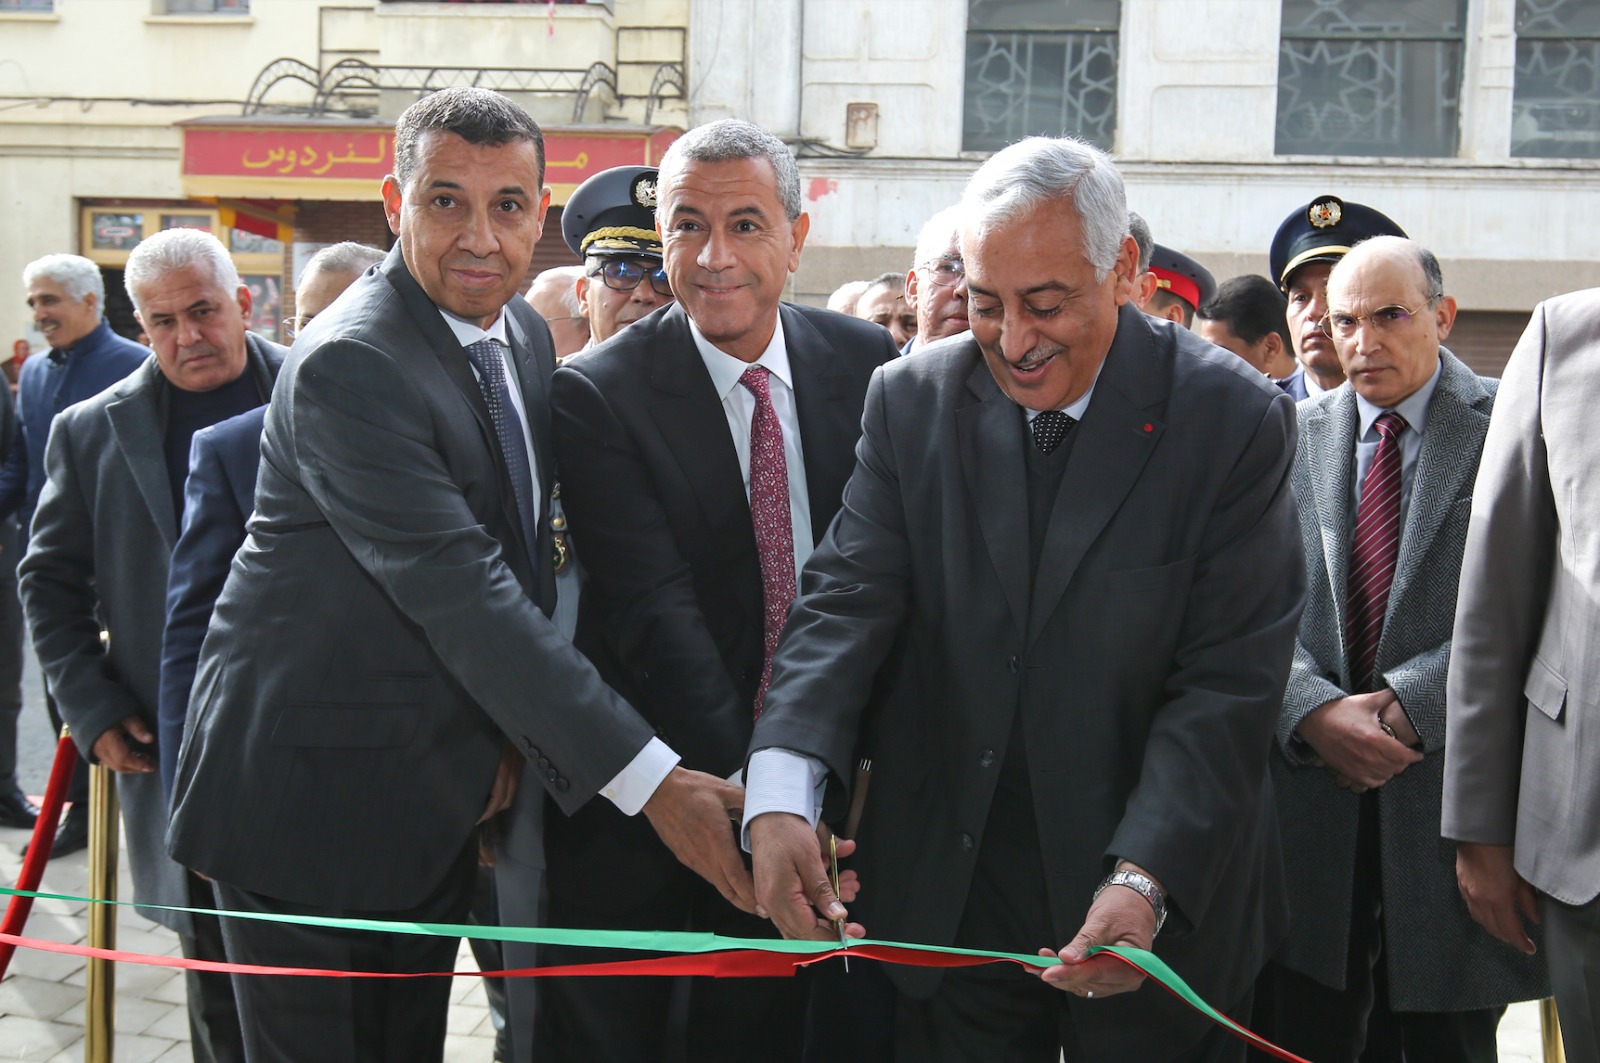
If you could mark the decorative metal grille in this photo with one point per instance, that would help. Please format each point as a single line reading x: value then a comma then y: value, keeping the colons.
x: 1364, y: 77
x: 1555, y: 104
x: 1037, y: 68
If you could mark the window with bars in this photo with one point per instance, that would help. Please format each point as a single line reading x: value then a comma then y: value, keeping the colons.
x: 1370, y: 77
x: 1555, y: 100
x: 204, y: 7
x: 1040, y: 67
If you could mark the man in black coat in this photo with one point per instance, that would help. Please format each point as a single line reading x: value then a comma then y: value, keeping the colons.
x: 659, y: 439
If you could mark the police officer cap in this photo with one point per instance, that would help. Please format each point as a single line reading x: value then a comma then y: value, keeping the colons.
x: 614, y: 213
x: 1181, y: 275
x: 1324, y: 230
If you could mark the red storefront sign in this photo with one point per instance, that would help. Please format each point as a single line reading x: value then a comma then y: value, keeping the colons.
x: 314, y: 162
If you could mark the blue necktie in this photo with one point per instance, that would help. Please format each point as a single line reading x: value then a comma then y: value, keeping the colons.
x: 486, y: 359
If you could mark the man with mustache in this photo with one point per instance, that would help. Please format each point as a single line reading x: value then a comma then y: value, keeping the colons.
x: 1055, y: 530
x: 102, y: 538
x: 1307, y: 244
x: 611, y: 223
x: 67, y: 296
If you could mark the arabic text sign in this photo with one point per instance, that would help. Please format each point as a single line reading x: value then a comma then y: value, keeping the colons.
x: 298, y: 153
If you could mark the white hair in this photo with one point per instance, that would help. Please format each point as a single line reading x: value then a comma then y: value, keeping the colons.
x: 847, y: 295
x: 78, y: 277
x: 731, y: 139
x: 174, y: 249
x: 565, y: 281
x: 938, y: 233
x: 344, y: 257
x: 1040, y: 170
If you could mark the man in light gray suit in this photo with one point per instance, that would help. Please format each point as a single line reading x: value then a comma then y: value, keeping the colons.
x: 1521, y: 790
x: 102, y: 537
x: 1062, y: 518
x: 1382, y: 956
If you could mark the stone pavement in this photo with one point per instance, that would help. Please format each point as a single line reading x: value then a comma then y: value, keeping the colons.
x: 41, y: 998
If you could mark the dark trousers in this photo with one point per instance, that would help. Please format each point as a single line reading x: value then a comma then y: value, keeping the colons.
x: 1001, y: 1014
x: 10, y: 658
x: 346, y: 1020
x: 1572, y: 948
x: 626, y: 1020
x: 215, y: 1033
x: 1356, y: 1023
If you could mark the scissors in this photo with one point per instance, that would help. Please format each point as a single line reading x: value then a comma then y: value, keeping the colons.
x: 833, y: 848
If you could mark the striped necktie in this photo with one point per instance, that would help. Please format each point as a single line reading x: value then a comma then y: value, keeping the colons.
x: 1373, y: 555
x: 486, y: 359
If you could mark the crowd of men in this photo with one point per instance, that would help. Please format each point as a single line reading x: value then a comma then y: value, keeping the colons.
x: 1072, y: 598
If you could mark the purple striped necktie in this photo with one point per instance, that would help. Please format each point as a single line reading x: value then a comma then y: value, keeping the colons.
x: 1374, y: 552
x: 769, y: 512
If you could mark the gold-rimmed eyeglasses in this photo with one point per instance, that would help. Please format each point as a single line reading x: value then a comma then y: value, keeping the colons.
x: 1385, y: 319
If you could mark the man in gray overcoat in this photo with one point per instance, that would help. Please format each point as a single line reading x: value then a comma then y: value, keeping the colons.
x: 102, y: 536
x: 1382, y: 957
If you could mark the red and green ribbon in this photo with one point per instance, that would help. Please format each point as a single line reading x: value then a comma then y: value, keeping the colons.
x: 683, y: 953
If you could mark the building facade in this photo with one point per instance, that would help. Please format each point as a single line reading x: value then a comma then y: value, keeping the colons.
x: 1474, y: 123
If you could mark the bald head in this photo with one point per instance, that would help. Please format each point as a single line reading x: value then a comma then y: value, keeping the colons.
x: 1387, y: 315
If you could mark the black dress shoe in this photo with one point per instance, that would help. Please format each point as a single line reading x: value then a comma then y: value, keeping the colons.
x: 16, y: 810
x: 72, y: 835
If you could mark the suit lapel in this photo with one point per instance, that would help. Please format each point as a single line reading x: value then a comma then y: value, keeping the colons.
x: 1328, y: 438
x: 990, y: 429
x: 1448, y: 462
x: 135, y: 417
x: 825, y: 416
x: 1115, y: 439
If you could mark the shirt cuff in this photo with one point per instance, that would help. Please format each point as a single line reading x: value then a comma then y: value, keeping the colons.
x: 781, y: 780
x: 635, y: 784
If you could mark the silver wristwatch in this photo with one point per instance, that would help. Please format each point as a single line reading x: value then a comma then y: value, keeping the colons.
x: 1142, y: 885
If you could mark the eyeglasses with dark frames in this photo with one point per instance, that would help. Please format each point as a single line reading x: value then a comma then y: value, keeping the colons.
x: 620, y: 275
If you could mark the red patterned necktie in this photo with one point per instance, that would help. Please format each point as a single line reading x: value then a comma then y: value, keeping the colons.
x: 769, y: 512
x: 1374, y: 553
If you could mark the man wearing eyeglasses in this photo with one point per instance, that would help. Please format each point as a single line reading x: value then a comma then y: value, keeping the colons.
x: 703, y: 452
x: 1307, y: 244
x: 610, y: 221
x: 1382, y: 955
x: 936, y: 285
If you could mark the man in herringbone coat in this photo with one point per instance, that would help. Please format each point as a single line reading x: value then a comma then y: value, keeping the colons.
x: 1382, y: 955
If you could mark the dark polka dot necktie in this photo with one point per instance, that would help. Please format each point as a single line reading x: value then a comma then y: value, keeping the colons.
x: 1050, y: 428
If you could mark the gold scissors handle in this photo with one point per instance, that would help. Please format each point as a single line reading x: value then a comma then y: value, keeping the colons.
x: 833, y: 850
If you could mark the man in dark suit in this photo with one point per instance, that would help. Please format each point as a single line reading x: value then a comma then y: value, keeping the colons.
x: 106, y: 523
x: 1064, y: 518
x: 1383, y: 959
x: 1246, y: 316
x: 66, y: 294
x: 660, y: 476
x: 381, y: 656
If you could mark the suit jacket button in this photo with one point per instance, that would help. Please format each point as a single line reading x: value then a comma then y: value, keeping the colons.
x: 544, y: 762
x: 966, y: 842
x: 527, y: 743
x: 1011, y: 663
x: 562, y: 784
x: 552, y: 774
x: 986, y: 758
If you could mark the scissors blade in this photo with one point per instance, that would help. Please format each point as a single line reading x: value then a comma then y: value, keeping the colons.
x: 833, y: 847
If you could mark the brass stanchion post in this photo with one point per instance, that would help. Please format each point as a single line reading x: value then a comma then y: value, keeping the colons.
x: 100, y: 1001
x: 1550, y: 1032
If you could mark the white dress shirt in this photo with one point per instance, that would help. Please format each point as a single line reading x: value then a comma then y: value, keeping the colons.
x: 634, y: 784
x: 739, y: 405
x: 1414, y: 408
